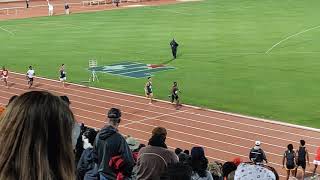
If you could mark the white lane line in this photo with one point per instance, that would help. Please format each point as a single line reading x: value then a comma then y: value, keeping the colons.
x: 6, y: 30
x: 190, y: 106
x: 152, y: 118
x: 196, y: 114
x: 291, y: 36
x: 177, y: 117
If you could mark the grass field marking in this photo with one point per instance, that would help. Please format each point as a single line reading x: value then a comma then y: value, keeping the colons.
x: 172, y: 11
x: 162, y: 114
x: 285, y: 39
x: 186, y: 105
x: 152, y: 118
x: 6, y: 30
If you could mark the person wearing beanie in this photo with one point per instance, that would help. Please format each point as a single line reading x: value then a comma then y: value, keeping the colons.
x: 257, y: 155
x: 153, y: 160
x: 109, y: 143
x: 199, y: 164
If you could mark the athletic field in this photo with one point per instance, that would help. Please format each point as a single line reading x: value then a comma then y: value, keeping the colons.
x: 258, y: 58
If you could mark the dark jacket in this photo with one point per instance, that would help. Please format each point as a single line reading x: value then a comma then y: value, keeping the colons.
x: 86, y: 166
x: 110, y: 143
x: 257, y: 155
x: 174, y: 44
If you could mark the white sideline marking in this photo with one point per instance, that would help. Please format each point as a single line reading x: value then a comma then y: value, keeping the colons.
x: 194, y: 107
x: 7, y: 31
x: 291, y: 37
x: 196, y: 114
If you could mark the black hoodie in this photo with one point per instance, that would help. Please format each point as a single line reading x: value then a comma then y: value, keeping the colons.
x: 110, y: 143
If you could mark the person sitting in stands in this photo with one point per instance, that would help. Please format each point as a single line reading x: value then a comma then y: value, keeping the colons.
x: 199, y: 164
x: 153, y: 160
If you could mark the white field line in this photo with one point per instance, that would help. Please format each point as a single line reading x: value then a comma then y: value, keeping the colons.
x: 11, y: 33
x: 215, y: 118
x: 156, y: 118
x: 177, y: 117
x: 171, y: 11
x: 191, y: 106
x: 285, y: 39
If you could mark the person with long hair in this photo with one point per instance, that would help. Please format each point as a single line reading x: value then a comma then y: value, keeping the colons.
x: 289, y: 161
x: 199, y: 164
x: 36, y: 138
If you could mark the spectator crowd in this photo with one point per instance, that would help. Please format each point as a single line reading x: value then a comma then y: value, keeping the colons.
x: 40, y: 139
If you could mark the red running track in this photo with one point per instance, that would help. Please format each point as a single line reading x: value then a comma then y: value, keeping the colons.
x: 224, y: 136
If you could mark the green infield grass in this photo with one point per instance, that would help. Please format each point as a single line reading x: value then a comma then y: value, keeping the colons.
x: 222, y: 61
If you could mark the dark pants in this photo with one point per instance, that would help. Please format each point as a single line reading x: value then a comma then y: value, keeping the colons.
x: 174, y: 52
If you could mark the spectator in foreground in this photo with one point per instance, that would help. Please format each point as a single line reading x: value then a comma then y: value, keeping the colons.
x: 36, y: 138
x: 86, y: 166
x: 154, y: 159
x: 247, y: 171
x: 179, y: 171
x: 215, y: 168
x: 289, y: 161
x: 110, y: 143
x: 199, y: 164
x: 257, y: 155
x: 228, y: 168
x: 302, y: 156
x: 134, y: 146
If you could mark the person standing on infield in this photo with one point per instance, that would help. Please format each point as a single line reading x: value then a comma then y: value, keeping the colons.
x: 174, y: 46
x: 30, y: 74
x: 148, y: 89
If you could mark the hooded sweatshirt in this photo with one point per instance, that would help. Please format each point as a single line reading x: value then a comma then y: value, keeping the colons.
x: 257, y: 155
x: 110, y: 143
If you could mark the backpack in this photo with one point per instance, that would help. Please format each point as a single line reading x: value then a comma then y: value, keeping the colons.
x: 256, y: 155
x: 290, y: 158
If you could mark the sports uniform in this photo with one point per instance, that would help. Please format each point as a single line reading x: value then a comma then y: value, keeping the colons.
x: 62, y: 75
x: 149, y: 88
x: 174, y: 94
x: 4, y: 74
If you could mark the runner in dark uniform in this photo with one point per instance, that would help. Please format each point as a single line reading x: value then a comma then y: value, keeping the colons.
x: 148, y: 89
x: 303, y: 156
x: 63, y: 77
x: 174, y: 94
